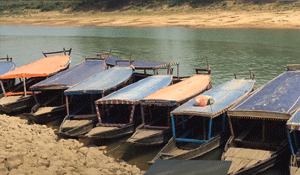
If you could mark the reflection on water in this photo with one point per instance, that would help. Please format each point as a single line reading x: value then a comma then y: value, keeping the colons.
x: 264, y: 52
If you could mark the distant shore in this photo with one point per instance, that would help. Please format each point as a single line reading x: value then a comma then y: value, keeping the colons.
x: 192, y: 19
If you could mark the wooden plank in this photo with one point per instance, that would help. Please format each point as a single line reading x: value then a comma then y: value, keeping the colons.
x: 293, y: 170
x: 297, y: 172
x: 100, y: 129
x: 252, y: 162
x: 243, y: 163
x: 235, y: 163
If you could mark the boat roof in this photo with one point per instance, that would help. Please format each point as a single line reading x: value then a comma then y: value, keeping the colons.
x: 199, y: 167
x: 140, y: 64
x: 278, y: 99
x: 224, y: 96
x: 179, y: 92
x: 294, y: 122
x: 6, y: 66
x: 133, y: 93
x: 102, y: 82
x: 40, y: 68
x: 72, y: 76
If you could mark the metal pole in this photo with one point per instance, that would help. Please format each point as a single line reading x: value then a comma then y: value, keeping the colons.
x: 173, y: 126
x: 24, y: 84
x: 290, y: 142
x: 209, y: 129
x: 67, y: 106
x: 3, y: 89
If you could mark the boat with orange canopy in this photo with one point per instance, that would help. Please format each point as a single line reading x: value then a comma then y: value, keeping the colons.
x: 155, y: 108
x: 19, y: 98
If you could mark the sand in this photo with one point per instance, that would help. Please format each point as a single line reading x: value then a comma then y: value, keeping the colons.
x: 34, y: 149
x: 194, y: 19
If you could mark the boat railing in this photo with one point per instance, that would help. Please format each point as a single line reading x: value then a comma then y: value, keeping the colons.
x: 250, y: 74
x: 124, y: 60
x: 94, y: 58
x: 103, y: 54
x: 7, y: 58
x: 62, y: 51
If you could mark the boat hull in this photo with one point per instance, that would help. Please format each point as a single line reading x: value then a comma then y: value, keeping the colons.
x: 47, y: 116
x: 23, y: 103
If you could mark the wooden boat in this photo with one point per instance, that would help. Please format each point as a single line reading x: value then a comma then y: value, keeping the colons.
x: 203, y: 128
x: 258, y: 125
x: 19, y: 98
x: 293, y: 128
x: 79, y: 127
x: 53, y: 90
x: 120, y: 111
x: 82, y: 117
x: 6, y: 65
x: 156, y: 126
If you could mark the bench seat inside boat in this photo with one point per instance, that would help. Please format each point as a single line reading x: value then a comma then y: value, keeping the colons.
x: 245, y: 157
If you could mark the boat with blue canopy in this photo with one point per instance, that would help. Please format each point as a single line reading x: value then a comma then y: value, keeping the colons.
x: 83, y: 116
x: 53, y: 90
x: 258, y: 125
x: 119, y: 113
x: 204, y: 125
x: 6, y: 65
x: 293, y: 128
x: 156, y: 125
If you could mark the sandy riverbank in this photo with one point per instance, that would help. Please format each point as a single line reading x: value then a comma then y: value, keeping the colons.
x: 179, y: 17
x: 34, y: 149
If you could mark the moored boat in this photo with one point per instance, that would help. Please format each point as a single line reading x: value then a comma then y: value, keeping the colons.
x: 19, y: 98
x: 82, y: 117
x: 53, y: 90
x: 119, y: 113
x: 203, y: 128
x: 7, y: 65
x: 258, y: 125
x: 156, y: 125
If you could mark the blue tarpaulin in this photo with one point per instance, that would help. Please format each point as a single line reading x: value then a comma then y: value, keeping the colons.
x: 72, y: 76
x: 277, y: 99
x: 133, y: 93
x: 139, y: 64
x: 6, y: 66
x: 224, y: 96
x: 102, y: 82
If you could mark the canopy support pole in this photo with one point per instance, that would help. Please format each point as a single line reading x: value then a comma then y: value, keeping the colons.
x: 24, y: 84
x: 182, y: 120
x: 173, y: 126
x: 143, y: 115
x: 223, y: 122
x: 209, y: 129
x: 67, y: 106
x: 295, y: 140
x: 132, y: 114
x: 290, y: 142
x: 35, y: 99
x: 98, y: 114
x: 169, y: 117
x: 231, y: 127
x: 3, y: 89
x: 92, y: 104
x: 264, y: 131
x: 204, y: 128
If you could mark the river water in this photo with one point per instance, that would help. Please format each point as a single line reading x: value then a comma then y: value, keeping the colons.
x: 228, y: 51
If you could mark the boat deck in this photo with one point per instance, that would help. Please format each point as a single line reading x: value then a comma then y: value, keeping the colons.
x: 43, y: 110
x: 100, y: 129
x: 294, y: 170
x: 245, y: 157
x: 142, y: 133
x: 10, y: 99
x: 68, y: 124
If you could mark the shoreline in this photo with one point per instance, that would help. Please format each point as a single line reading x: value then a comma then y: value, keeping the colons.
x: 195, y: 19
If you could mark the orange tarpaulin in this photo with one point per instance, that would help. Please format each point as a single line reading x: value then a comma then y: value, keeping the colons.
x: 40, y: 68
x: 182, y: 90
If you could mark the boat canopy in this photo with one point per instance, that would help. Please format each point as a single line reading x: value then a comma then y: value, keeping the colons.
x: 40, y: 68
x: 179, y: 92
x: 133, y: 93
x: 278, y: 99
x: 72, y: 76
x: 6, y: 66
x: 294, y: 122
x: 224, y: 96
x: 102, y: 82
x: 139, y: 64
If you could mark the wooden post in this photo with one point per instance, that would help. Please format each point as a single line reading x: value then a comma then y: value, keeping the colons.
x: 24, y: 84
x: 169, y: 117
x: 67, y: 106
x: 92, y: 104
x: 35, y: 99
x: 3, y: 89
x: 231, y: 127
x: 204, y: 128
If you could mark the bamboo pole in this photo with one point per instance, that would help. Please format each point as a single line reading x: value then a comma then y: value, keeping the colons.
x: 67, y: 106
x: 231, y: 127
x: 24, y: 84
x: 3, y: 89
